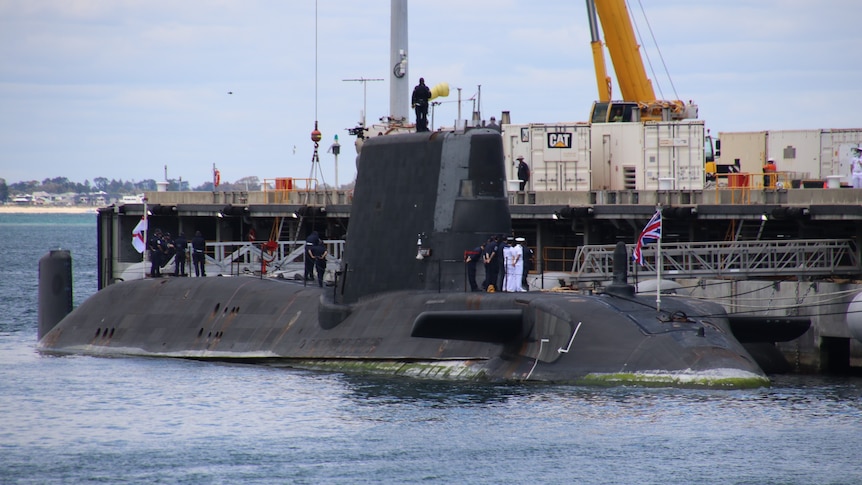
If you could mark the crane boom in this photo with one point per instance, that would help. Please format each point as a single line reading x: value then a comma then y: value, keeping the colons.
x: 639, y: 102
x: 603, y: 81
x: 624, y: 50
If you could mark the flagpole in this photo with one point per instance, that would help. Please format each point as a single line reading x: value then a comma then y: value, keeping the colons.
x: 146, y: 242
x: 658, y: 267
x: 653, y: 230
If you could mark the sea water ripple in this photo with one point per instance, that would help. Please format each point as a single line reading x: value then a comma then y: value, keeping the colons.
x: 75, y: 419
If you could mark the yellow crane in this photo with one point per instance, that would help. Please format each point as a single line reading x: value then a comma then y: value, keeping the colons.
x: 639, y: 101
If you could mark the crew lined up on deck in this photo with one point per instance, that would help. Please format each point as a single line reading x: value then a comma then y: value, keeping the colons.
x: 506, y: 260
x: 162, y: 247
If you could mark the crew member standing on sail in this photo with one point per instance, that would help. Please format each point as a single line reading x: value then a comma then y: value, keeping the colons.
x: 421, y: 95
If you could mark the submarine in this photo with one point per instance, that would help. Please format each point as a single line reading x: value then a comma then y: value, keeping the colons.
x: 400, y: 306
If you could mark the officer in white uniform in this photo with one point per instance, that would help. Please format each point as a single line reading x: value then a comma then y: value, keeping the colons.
x: 856, y: 167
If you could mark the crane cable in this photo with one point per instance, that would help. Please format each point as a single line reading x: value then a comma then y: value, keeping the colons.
x: 658, y: 49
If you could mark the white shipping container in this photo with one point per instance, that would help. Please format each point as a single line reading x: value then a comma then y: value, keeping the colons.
x: 798, y: 154
x: 558, y: 155
x: 617, y: 151
x: 835, y: 153
x: 675, y: 151
x: 648, y: 156
x: 746, y: 147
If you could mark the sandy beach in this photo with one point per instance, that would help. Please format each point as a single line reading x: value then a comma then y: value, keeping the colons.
x: 37, y: 209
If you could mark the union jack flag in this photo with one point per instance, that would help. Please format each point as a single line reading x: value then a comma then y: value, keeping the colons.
x: 651, y: 233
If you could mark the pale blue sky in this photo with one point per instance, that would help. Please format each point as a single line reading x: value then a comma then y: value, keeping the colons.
x: 121, y: 88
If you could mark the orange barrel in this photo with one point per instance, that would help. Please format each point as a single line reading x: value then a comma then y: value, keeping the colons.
x: 284, y: 183
x: 737, y: 180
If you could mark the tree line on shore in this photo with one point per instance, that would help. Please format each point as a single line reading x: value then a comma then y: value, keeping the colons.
x: 118, y: 188
x: 112, y: 187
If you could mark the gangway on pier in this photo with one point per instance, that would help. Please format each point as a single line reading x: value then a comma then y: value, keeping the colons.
x: 802, y: 259
x: 235, y: 257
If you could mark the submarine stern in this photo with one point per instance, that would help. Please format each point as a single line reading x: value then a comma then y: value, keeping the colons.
x: 606, y: 340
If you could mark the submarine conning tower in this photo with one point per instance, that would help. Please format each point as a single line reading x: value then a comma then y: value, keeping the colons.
x: 420, y: 201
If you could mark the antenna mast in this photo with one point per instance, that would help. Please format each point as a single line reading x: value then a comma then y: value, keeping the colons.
x: 364, y: 82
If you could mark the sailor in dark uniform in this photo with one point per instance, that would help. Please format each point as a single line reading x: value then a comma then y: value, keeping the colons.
x: 523, y: 173
x: 471, y: 258
x: 311, y: 241
x: 180, y: 246
x: 527, y: 258
x: 491, y: 266
x: 318, y: 252
x: 421, y: 95
x: 155, y: 247
x: 167, y: 247
x: 199, y: 245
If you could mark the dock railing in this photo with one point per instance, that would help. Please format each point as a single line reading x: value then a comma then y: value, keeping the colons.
x: 733, y: 259
x: 238, y: 257
x: 740, y: 184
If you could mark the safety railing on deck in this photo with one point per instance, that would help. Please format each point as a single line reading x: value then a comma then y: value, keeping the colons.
x: 305, y: 191
x: 281, y: 187
x: 739, y: 185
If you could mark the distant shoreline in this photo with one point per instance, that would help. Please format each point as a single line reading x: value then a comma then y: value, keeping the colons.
x: 36, y: 209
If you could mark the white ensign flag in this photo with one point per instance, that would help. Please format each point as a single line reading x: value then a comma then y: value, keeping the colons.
x: 138, y: 236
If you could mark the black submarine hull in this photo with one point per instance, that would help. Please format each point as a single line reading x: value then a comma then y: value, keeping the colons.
x: 553, y: 337
x: 399, y: 306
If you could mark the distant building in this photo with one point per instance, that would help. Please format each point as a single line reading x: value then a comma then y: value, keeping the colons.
x: 23, y: 200
x: 98, y: 199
